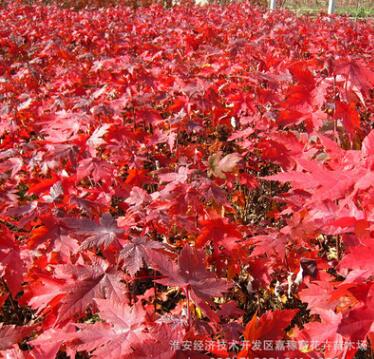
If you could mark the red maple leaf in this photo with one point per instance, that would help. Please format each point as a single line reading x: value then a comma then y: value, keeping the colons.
x: 86, y: 283
x: 98, y: 169
x: 12, y: 266
x: 135, y: 253
x: 123, y: 330
x: 190, y: 273
x: 12, y: 334
x: 220, y: 232
x: 95, y: 234
x: 269, y: 327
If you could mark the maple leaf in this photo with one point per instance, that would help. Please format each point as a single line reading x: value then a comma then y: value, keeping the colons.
x: 148, y: 115
x: 98, y: 169
x: 96, y: 235
x: 241, y: 134
x: 219, y: 232
x: 160, y: 346
x: 137, y: 197
x: 44, y: 293
x: 367, y: 149
x: 190, y: 273
x: 298, y: 179
x: 13, y: 165
x: 12, y: 266
x: 218, y: 166
x: 96, y: 138
x: 14, y: 353
x: 43, y: 186
x: 48, y: 343
x: 98, y: 281
x: 318, y: 295
x: 319, y: 181
x: 359, y: 77
x: 360, y: 257
x: 117, y: 339
x: 135, y: 253
x: 325, y: 330
x: 358, y: 324
x: 64, y: 126
x: 270, y: 326
x: 349, y: 116
x: 136, y: 177
x: 180, y: 176
x: 302, y: 74
x: 52, y: 235
x: 271, y: 244
x: 12, y: 334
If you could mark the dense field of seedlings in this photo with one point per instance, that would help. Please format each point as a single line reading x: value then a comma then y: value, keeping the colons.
x: 185, y: 183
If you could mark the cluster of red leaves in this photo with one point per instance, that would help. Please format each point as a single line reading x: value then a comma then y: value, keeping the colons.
x: 92, y: 4
x: 139, y: 154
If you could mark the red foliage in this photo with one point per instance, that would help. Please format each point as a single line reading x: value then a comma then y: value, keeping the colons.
x: 183, y: 177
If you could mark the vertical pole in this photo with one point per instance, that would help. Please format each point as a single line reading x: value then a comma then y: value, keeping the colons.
x: 272, y: 5
x: 331, y: 8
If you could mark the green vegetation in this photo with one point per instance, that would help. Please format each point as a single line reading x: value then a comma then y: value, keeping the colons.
x: 314, y: 9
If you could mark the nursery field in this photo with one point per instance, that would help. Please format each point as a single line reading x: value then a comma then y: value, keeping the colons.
x: 193, y: 182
